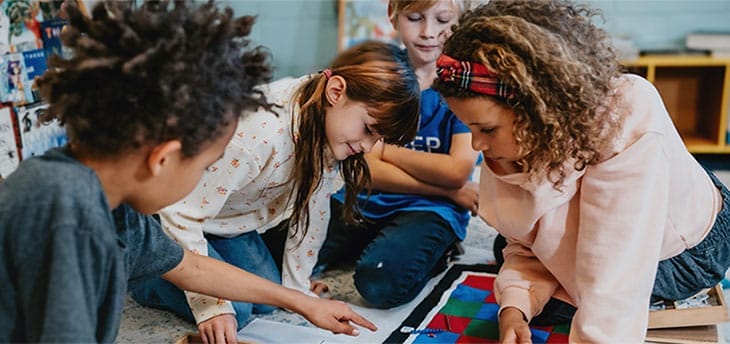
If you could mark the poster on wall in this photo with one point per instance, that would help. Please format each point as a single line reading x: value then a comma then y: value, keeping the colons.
x: 361, y: 20
x: 9, y: 155
x: 38, y: 137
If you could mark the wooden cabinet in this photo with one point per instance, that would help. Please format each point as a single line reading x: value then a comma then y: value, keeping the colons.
x: 696, y: 91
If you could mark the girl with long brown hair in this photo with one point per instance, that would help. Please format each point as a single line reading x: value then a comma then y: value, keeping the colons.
x: 279, y: 171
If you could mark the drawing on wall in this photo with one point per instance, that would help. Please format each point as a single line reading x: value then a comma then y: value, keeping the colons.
x: 9, y: 156
x: 361, y: 20
x: 37, y: 137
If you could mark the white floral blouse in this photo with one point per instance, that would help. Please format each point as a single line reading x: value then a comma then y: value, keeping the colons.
x: 248, y: 190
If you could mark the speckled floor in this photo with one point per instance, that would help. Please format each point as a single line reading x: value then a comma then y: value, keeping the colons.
x: 146, y: 325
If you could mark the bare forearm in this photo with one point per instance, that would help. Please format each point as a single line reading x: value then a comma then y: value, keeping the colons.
x: 388, y: 177
x: 212, y: 277
x: 433, y: 168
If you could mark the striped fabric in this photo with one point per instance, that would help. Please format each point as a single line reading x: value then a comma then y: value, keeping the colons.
x: 471, y: 76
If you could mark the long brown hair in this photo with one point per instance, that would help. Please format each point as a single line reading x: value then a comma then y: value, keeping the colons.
x: 377, y: 74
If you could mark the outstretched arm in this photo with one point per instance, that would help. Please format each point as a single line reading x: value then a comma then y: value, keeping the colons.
x: 194, y: 273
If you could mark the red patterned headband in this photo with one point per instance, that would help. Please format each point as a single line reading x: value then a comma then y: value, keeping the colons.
x: 471, y: 76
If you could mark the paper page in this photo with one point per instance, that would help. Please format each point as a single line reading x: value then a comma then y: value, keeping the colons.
x: 262, y: 331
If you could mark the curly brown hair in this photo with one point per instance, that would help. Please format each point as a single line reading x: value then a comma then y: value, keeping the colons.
x: 560, y: 67
x: 162, y: 71
x: 377, y: 74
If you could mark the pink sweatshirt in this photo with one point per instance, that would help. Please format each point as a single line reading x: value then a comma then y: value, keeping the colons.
x: 597, y: 244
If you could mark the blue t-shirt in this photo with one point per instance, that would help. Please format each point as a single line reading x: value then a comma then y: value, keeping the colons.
x: 436, y: 127
x: 65, y: 258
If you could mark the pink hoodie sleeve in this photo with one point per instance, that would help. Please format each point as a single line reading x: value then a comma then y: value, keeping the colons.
x: 523, y: 282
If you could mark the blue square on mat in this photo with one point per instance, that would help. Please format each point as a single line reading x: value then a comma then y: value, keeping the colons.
x: 539, y: 336
x: 469, y: 294
x: 488, y: 312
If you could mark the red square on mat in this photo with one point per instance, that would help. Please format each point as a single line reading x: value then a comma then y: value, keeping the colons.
x: 456, y: 324
x: 557, y: 338
x: 480, y: 282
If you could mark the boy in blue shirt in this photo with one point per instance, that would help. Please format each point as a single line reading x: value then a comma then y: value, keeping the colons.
x: 421, y: 195
x: 150, y: 99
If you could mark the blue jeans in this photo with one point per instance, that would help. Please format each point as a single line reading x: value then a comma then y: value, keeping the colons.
x: 246, y: 251
x: 397, y: 255
x: 701, y: 266
x: 678, y: 277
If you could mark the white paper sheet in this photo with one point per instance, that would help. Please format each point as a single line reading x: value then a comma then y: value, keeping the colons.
x: 274, y: 332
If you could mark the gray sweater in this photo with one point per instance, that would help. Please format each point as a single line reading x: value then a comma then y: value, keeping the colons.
x: 65, y: 258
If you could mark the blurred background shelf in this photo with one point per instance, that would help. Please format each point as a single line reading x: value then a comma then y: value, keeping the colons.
x: 696, y: 92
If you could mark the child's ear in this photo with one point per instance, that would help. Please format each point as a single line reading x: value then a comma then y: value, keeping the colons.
x: 162, y: 155
x: 392, y: 18
x: 335, y: 89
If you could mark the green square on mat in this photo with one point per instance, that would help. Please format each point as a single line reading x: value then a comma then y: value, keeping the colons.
x: 482, y: 329
x: 461, y: 308
x: 564, y: 328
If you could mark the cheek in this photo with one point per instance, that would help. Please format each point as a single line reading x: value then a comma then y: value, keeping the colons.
x: 186, y: 185
x: 408, y: 32
x: 512, y: 148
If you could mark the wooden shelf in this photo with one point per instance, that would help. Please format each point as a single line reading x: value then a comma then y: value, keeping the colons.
x: 714, y: 314
x: 696, y: 92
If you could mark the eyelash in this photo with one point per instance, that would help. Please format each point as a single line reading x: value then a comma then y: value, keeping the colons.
x: 486, y: 130
x: 441, y: 21
x: 368, y: 131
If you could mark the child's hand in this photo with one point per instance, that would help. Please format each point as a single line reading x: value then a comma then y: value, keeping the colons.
x: 513, y: 327
x: 334, y: 316
x: 467, y: 196
x: 219, y: 329
x: 318, y: 287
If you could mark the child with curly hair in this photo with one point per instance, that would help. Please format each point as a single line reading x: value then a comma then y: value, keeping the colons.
x: 602, y: 206
x: 150, y: 99
x: 420, y: 198
x: 278, y: 173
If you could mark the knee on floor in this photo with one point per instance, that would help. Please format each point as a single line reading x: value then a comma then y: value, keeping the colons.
x: 380, y: 287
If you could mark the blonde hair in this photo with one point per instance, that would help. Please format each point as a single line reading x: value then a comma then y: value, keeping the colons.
x: 561, y: 68
x: 396, y: 7
x: 377, y: 74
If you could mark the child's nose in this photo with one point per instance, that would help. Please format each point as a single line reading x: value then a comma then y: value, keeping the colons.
x: 367, y: 144
x: 478, y: 144
x: 429, y: 29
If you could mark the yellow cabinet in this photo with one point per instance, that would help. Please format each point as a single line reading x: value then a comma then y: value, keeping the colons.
x: 696, y: 91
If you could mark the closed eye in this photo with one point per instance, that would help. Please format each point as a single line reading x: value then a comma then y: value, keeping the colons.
x: 486, y: 130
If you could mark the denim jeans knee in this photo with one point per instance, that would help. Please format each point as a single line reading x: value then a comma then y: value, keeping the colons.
x: 397, y: 264
x: 246, y: 251
x: 161, y: 294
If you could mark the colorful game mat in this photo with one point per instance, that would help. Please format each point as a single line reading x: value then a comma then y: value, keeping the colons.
x: 462, y: 309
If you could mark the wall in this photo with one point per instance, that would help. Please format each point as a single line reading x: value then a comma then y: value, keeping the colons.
x: 302, y: 34
x: 663, y: 24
